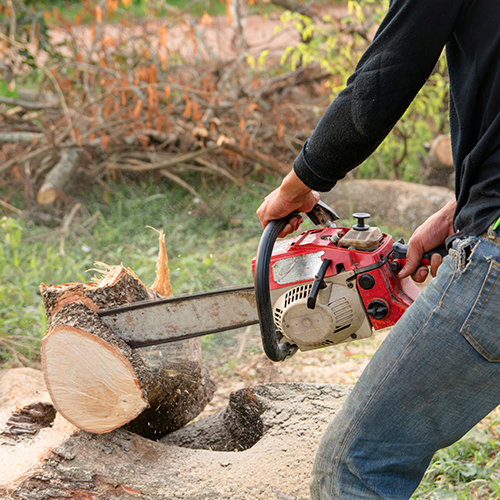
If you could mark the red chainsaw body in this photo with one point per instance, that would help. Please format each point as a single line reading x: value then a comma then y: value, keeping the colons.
x: 373, y: 277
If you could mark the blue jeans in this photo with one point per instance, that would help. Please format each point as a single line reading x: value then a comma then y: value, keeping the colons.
x: 433, y: 378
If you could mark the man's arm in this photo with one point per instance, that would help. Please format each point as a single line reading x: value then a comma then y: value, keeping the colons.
x: 432, y: 233
x: 387, y: 78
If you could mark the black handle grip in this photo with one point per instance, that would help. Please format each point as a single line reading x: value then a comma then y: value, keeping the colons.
x: 273, y: 350
x: 321, y: 214
x: 399, y: 251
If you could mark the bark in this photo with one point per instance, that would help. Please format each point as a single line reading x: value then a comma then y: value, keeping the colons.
x: 97, y: 381
x: 60, y: 462
x: 60, y: 176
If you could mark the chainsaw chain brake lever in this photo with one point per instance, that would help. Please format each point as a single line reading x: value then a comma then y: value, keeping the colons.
x: 322, y: 215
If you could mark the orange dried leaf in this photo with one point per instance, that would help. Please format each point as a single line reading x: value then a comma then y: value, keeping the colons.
x: 137, y: 109
x: 196, y: 114
x: 167, y: 92
x: 281, y: 130
x: 98, y: 14
x: 153, y: 77
x: 242, y: 125
x: 104, y: 140
x: 206, y: 19
x: 188, y: 109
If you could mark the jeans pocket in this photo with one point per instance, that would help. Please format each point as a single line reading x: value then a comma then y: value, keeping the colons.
x: 481, y: 327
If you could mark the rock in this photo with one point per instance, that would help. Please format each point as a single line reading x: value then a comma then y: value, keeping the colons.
x: 393, y: 204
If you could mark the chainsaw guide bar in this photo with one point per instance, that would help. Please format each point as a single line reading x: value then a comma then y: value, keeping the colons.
x: 147, y: 323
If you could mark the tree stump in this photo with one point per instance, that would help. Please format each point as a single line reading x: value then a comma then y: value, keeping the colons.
x: 97, y: 381
x: 438, y: 167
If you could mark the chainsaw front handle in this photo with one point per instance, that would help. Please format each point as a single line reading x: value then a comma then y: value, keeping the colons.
x: 321, y: 214
x: 275, y: 351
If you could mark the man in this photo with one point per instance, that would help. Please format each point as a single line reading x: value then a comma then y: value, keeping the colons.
x: 437, y: 373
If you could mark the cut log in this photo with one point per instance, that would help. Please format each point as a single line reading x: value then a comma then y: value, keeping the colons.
x: 97, y: 381
x: 60, y: 175
x: 438, y: 167
x: 274, y: 463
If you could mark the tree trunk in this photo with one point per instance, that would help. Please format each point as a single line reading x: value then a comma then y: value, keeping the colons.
x: 265, y: 440
x: 97, y: 381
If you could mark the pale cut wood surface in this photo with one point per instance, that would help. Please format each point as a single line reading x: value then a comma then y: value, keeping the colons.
x: 91, y: 382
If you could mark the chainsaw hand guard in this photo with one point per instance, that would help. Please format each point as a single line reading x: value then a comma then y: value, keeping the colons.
x: 275, y: 351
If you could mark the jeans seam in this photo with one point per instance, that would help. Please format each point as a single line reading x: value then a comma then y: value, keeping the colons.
x: 466, y: 332
x: 417, y: 334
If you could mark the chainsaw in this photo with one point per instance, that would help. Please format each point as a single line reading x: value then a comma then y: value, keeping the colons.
x: 325, y: 286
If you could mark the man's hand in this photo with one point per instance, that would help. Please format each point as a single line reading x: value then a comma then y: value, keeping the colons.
x: 432, y: 233
x: 292, y: 195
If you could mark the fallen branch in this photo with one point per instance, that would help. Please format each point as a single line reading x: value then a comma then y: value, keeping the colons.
x: 29, y: 137
x: 185, y: 185
x: 59, y: 176
x: 144, y: 167
x: 32, y: 106
x: 258, y: 157
x: 18, y: 160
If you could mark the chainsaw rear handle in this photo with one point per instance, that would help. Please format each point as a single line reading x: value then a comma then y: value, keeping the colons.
x: 321, y: 214
x: 399, y: 251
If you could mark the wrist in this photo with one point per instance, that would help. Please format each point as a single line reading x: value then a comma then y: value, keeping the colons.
x: 447, y: 214
x: 292, y: 189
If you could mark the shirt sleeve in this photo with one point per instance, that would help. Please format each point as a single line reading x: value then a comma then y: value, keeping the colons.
x: 387, y: 78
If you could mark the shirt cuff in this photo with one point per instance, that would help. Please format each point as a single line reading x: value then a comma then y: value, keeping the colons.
x: 306, y: 174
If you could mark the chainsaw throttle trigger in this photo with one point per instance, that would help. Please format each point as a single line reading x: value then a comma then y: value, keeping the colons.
x: 318, y: 284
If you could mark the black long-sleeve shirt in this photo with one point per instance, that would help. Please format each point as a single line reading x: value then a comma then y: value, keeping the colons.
x: 397, y: 63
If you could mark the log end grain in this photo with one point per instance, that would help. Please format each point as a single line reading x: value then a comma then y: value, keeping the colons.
x: 91, y: 383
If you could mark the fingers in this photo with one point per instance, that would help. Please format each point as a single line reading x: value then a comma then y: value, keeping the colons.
x: 292, y: 226
x: 412, y: 264
x: 436, y: 261
x: 420, y: 275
